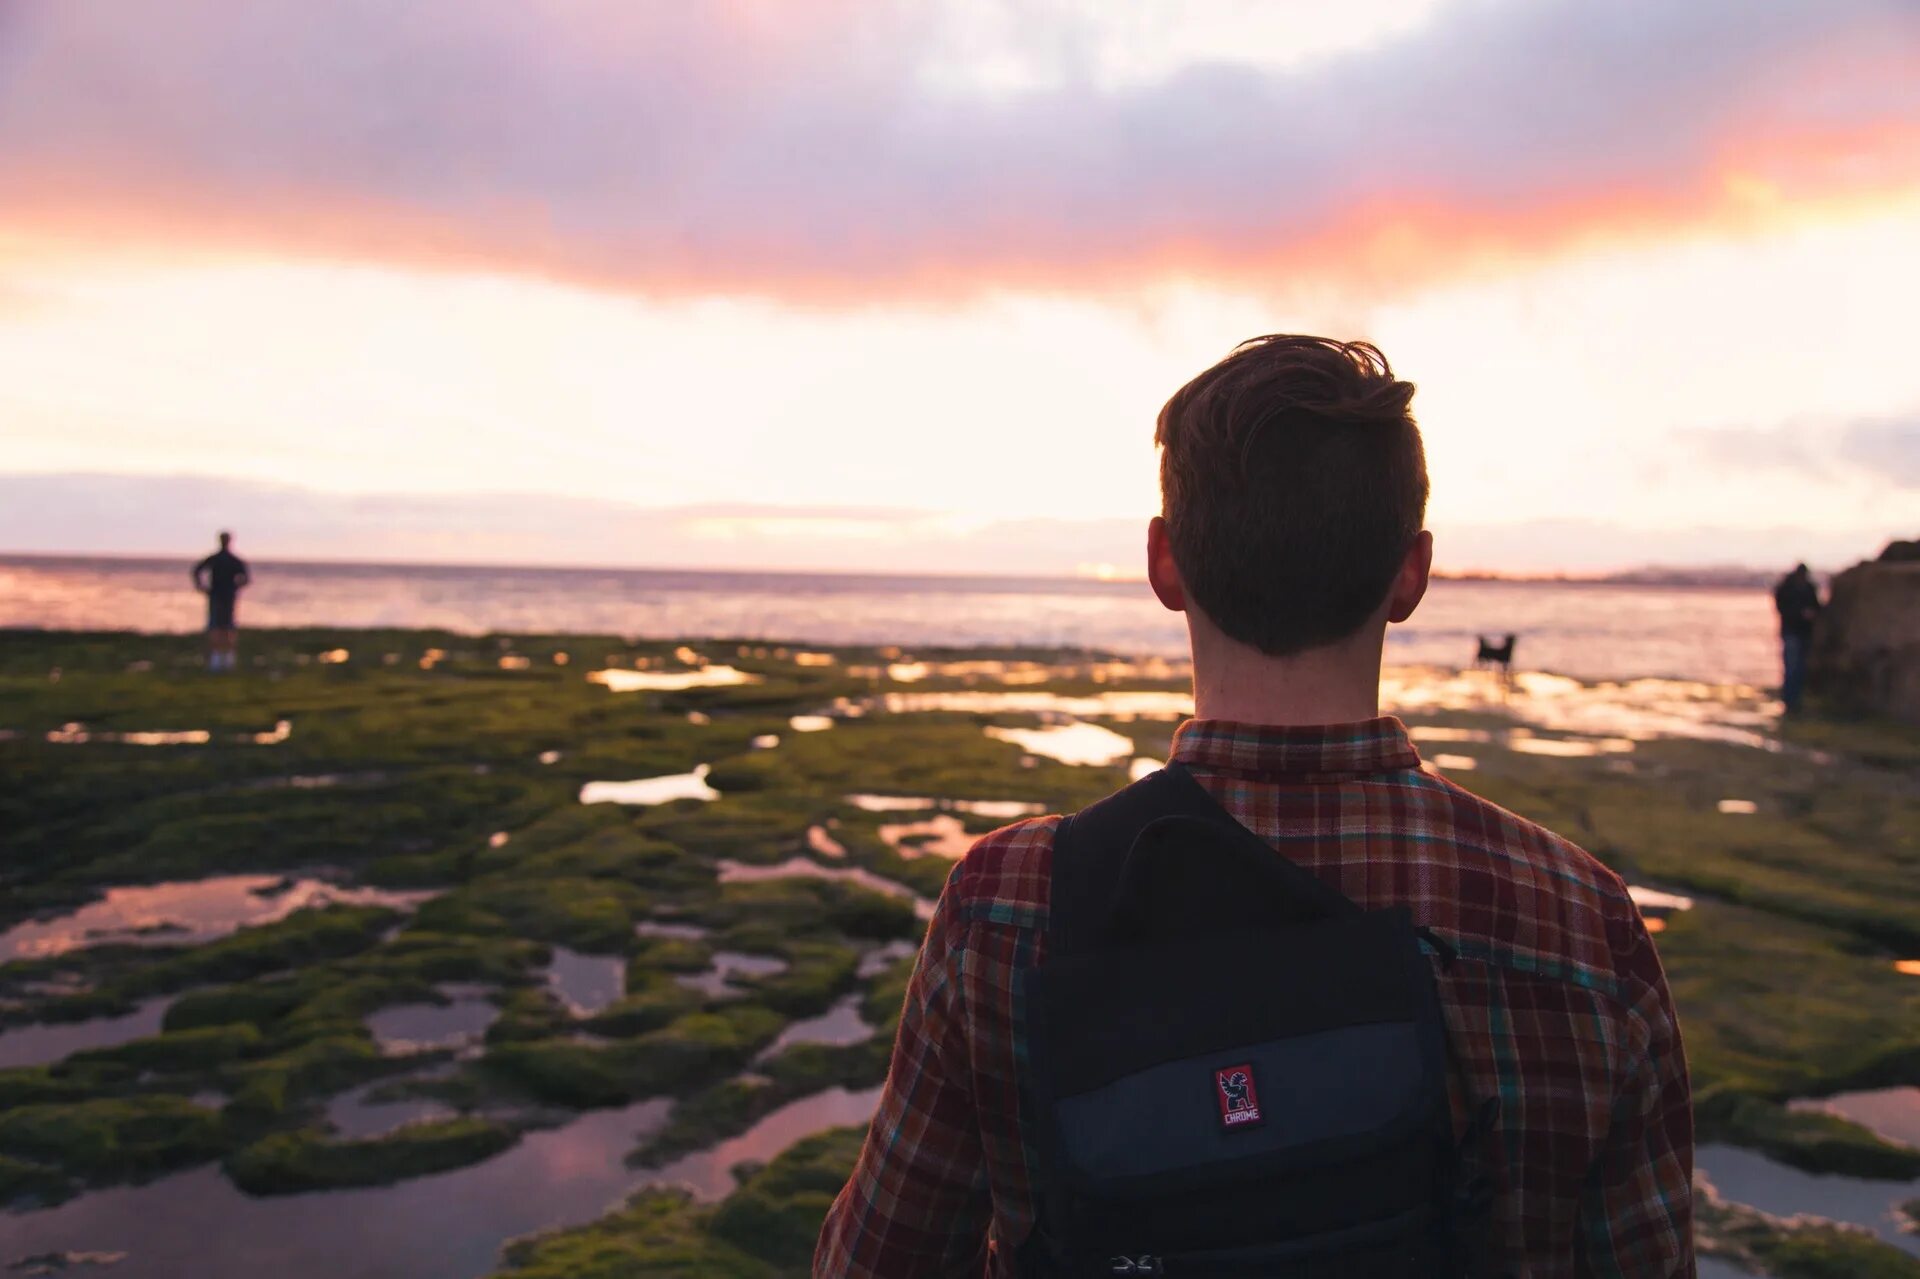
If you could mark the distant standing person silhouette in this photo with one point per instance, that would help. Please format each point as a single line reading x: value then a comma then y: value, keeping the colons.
x: 220, y: 577
x: 1798, y: 600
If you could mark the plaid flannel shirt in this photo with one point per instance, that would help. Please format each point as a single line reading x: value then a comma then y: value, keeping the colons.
x: 1555, y: 1005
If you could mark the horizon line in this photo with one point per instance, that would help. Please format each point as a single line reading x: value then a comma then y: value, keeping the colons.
x: 1640, y: 575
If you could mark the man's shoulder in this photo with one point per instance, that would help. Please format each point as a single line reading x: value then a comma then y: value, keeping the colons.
x: 1007, y: 874
x: 1546, y: 898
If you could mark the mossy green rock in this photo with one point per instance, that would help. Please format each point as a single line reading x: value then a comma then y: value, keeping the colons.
x: 113, y: 1139
x: 765, y: 1230
x: 289, y: 1162
x: 1793, y: 1248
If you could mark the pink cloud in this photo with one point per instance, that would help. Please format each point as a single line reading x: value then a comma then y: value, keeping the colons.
x: 796, y: 150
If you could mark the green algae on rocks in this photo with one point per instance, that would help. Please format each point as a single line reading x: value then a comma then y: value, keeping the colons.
x: 763, y: 1230
x: 291, y: 1162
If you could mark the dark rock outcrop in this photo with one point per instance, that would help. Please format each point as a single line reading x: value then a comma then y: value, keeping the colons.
x: 1866, y: 647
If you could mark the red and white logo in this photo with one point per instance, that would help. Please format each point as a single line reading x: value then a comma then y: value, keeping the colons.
x: 1239, y: 1097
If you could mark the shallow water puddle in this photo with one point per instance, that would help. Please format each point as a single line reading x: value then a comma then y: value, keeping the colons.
x: 732, y: 872
x: 810, y: 723
x: 1891, y: 1113
x: 1738, y: 807
x: 1118, y: 704
x: 678, y: 932
x: 1749, y: 1178
x: 1638, y: 709
x: 45, y: 1043
x: 822, y: 844
x: 1655, y: 905
x: 1001, y: 809
x: 1076, y: 743
x: 709, y: 1174
x: 355, y: 1118
x: 181, y: 911
x: 623, y: 681
x: 1526, y: 743
x: 410, y: 1028
x: 1142, y: 767
x: 1440, y: 733
x: 586, y: 983
x: 881, y: 958
x: 942, y: 835
x: 722, y: 981
x: 448, y: 1226
x: 77, y: 734
x: 652, y: 790
x: 891, y: 803
x: 839, y: 1025
x: 1454, y: 763
x: 1652, y: 899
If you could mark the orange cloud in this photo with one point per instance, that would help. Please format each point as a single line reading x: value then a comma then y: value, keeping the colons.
x: 713, y: 153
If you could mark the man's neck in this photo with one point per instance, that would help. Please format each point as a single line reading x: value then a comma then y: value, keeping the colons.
x: 1339, y: 684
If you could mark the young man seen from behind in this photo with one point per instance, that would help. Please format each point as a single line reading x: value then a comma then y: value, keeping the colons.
x: 1294, y: 490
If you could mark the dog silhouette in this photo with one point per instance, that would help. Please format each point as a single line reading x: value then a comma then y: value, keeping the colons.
x: 1492, y: 654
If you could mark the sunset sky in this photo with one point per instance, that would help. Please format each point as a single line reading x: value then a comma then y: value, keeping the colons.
x: 902, y: 285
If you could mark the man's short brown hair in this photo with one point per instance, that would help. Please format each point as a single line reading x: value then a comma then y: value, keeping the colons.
x: 1293, y: 481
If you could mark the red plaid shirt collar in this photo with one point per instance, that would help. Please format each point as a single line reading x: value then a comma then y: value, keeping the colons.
x: 1379, y: 745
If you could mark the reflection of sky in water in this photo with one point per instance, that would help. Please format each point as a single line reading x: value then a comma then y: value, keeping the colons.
x: 823, y: 844
x: 1653, y: 899
x: 651, y: 790
x: 586, y: 983
x: 840, y: 1024
x: 621, y: 681
x: 1714, y: 1268
x: 708, y: 1173
x: 353, y: 1117
x: 679, y: 932
x: 1592, y: 631
x: 732, y: 872
x: 448, y: 1226
x: 43, y: 1044
x: 730, y: 967
x: 1146, y: 703
x: 1004, y: 809
x: 1611, y: 716
x: 188, y: 910
x: 1091, y: 744
x: 881, y: 958
x: 1893, y: 1113
x: 1634, y: 710
x: 405, y: 1028
x: 941, y: 835
x: 1745, y: 1177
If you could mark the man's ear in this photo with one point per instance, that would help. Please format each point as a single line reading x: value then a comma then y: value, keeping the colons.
x: 1410, y: 583
x: 1163, y: 574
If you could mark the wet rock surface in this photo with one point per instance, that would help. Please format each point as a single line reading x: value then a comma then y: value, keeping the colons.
x: 1865, y: 656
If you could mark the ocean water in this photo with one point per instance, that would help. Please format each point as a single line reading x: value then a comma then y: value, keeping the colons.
x: 1590, y: 631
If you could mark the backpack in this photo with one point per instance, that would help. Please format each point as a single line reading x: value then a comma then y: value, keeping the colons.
x: 1234, y: 1070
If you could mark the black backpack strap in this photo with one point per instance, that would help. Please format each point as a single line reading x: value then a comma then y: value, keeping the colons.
x: 1162, y: 857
